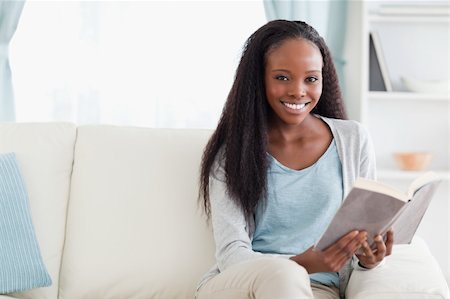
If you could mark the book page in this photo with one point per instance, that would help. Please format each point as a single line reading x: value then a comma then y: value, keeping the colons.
x: 421, y: 181
x: 380, y: 188
x: 407, y: 223
x: 362, y: 210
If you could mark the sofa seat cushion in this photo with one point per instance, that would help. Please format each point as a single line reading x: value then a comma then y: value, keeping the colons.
x: 134, y: 229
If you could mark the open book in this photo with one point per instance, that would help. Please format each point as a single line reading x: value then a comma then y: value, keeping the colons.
x: 374, y: 207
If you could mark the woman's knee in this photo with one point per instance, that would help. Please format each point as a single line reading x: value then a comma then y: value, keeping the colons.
x: 283, y: 271
x: 282, y: 278
x: 264, y: 278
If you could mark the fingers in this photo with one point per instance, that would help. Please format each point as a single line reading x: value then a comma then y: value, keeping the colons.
x: 370, y: 258
x: 339, y: 253
x: 389, y: 242
x: 367, y: 254
x: 367, y: 258
x: 347, y: 245
x: 343, y: 250
x: 381, y: 248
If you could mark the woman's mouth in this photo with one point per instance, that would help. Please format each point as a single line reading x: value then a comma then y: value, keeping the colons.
x: 294, y: 106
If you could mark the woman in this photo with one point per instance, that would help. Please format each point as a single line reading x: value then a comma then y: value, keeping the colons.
x: 276, y: 170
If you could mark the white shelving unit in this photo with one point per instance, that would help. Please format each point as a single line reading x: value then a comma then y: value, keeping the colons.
x: 415, y: 45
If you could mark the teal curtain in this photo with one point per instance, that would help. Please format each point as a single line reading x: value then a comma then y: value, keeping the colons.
x: 329, y: 17
x: 10, y: 12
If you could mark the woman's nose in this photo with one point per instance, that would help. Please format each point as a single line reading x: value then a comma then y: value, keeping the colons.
x: 297, y: 90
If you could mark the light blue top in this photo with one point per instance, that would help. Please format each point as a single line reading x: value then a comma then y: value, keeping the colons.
x: 300, y: 205
x: 233, y: 232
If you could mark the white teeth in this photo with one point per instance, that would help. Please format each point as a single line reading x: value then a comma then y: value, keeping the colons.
x: 294, y: 106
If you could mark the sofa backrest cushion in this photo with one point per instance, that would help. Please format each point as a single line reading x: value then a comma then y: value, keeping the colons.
x: 134, y: 228
x: 45, y: 154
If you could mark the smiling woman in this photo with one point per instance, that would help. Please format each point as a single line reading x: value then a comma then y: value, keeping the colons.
x: 155, y: 63
x: 293, y: 80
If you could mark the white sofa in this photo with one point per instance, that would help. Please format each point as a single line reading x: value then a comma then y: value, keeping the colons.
x: 116, y: 216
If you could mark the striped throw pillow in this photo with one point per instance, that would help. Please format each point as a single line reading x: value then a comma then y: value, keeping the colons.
x: 21, y: 265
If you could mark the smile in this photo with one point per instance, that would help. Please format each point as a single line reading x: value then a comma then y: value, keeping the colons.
x: 295, y: 106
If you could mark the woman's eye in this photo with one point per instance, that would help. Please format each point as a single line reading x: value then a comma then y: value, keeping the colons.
x: 282, y: 78
x: 312, y: 79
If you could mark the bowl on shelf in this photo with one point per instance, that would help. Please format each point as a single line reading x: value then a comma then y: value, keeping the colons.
x: 424, y: 86
x: 412, y: 160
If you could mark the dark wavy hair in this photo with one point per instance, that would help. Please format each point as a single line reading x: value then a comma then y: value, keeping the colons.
x: 241, y: 134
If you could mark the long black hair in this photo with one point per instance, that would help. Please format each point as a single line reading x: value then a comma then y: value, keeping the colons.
x: 241, y: 135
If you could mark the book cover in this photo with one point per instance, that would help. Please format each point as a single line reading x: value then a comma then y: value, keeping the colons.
x: 378, y: 72
x: 375, y: 207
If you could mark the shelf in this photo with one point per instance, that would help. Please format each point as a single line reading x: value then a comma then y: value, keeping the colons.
x: 402, y: 96
x: 408, y: 19
x: 417, y: 13
x: 408, y: 175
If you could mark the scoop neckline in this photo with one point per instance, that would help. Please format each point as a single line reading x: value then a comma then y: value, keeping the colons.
x: 288, y: 169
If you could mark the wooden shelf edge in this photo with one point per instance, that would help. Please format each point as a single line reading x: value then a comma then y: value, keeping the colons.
x: 397, y: 95
x: 409, y: 18
x: 409, y: 175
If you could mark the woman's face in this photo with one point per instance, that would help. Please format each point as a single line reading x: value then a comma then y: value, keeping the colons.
x: 293, y: 80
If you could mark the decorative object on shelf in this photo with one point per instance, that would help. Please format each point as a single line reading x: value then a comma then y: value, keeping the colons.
x: 424, y: 86
x: 378, y: 74
x: 413, y: 160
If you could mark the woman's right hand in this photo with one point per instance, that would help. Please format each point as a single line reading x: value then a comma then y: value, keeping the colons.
x: 334, y: 257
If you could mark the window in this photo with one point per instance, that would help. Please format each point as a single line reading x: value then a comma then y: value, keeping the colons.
x: 155, y: 64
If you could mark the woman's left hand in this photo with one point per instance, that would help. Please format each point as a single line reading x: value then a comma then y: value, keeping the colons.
x: 371, y: 258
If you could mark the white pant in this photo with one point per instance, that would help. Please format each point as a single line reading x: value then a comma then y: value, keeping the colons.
x: 265, y: 278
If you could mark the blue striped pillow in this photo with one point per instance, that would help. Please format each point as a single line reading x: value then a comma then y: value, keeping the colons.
x: 21, y: 265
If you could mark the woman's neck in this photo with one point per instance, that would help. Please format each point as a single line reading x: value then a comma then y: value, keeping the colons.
x: 284, y: 133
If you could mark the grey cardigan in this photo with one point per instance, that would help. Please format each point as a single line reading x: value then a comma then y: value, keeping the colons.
x: 233, y: 234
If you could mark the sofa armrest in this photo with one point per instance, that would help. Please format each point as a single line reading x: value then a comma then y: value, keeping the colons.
x: 409, y: 272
